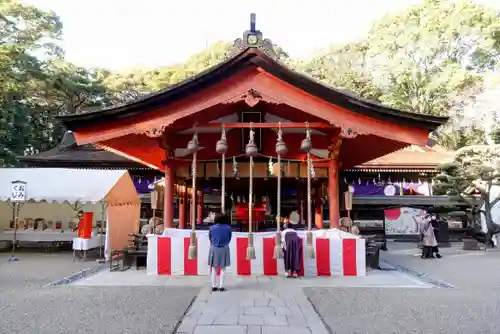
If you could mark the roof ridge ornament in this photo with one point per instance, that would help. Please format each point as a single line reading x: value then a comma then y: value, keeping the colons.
x: 253, y: 39
x: 252, y: 97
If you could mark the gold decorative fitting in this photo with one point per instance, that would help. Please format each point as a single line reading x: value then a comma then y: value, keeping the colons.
x: 251, y: 97
x: 253, y: 39
x: 334, y: 149
x: 348, y: 133
x: 155, y: 132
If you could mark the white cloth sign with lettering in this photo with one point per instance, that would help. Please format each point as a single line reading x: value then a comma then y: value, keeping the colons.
x: 402, y: 220
x: 18, y: 191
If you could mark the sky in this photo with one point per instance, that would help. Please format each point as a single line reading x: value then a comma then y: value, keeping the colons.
x: 124, y: 34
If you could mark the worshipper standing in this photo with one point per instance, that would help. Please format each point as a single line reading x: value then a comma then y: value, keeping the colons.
x: 219, y: 256
x: 427, y: 236
x: 435, y: 226
x: 292, y: 247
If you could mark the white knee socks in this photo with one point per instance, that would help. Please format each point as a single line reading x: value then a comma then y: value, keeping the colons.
x: 222, y: 272
x: 213, y: 277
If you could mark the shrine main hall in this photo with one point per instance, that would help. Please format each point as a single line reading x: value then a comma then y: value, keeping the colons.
x: 253, y: 132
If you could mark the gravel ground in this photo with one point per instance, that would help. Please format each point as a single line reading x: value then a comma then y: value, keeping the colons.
x: 407, y: 310
x: 28, y: 306
x: 37, y: 269
x: 68, y: 309
x: 464, y: 269
x: 472, y: 307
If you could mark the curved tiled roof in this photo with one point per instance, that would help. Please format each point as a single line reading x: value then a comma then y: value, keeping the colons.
x: 246, y: 57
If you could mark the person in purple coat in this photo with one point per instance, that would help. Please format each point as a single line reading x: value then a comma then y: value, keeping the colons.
x: 292, y: 250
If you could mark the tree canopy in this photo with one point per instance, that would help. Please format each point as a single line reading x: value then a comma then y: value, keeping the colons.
x: 430, y: 58
x: 476, y: 168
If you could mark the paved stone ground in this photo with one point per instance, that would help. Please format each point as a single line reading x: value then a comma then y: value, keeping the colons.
x: 253, y: 304
x: 374, y: 278
x: 253, y: 309
x: 27, y: 305
x: 472, y: 307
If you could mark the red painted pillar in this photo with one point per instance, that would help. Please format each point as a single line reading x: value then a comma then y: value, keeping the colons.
x: 299, y: 202
x: 182, y: 208
x: 190, y: 210
x: 168, y: 205
x: 333, y: 193
x: 318, y: 212
x: 199, y: 208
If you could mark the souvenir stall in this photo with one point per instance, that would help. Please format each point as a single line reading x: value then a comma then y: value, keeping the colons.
x: 104, y: 203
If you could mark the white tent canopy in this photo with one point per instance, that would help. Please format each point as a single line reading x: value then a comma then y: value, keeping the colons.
x: 62, y: 185
x: 112, y: 188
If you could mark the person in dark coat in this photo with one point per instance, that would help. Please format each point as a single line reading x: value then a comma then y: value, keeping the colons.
x: 435, y: 226
x: 219, y: 256
x: 292, y: 250
x: 427, y: 236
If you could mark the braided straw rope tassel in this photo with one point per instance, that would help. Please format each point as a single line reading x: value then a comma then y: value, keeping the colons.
x: 250, y: 249
x: 306, y: 146
x: 251, y: 150
x: 280, y: 150
x: 221, y: 148
x: 192, y: 251
x: 310, y: 248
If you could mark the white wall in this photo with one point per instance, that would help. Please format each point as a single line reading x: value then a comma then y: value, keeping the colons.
x: 55, y: 212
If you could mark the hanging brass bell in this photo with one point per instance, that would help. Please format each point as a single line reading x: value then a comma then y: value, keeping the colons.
x: 281, y: 148
x: 221, y: 146
x: 251, y: 149
x: 192, y: 146
x: 306, y: 145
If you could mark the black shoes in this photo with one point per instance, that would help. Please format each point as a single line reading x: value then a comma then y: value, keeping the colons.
x: 218, y: 289
x: 431, y: 256
x: 222, y: 289
x: 214, y: 289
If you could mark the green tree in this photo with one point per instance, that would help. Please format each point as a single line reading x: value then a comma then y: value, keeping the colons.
x: 130, y: 85
x: 430, y: 53
x: 72, y: 89
x: 25, y: 32
x: 454, y: 137
x: 344, y: 67
x: 36, y: 84
x: 475, y: 168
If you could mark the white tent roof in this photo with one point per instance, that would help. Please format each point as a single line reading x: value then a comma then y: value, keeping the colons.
x: 68, y: 185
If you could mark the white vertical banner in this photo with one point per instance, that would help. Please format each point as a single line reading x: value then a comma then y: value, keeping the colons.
x: 107, y: 248
x: 203, y: 251
x: 310, y: 268
x: 360, y: 257
x: 152, y: 259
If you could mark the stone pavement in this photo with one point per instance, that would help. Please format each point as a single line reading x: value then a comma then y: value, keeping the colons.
x: 253, y: 304
x: 373, y: 279
x: 253, y: 309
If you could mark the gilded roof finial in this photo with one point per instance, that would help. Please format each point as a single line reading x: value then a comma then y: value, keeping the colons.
x: 252, y: 38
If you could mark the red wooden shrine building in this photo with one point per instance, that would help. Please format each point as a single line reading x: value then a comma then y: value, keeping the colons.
x: 251, y: 89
